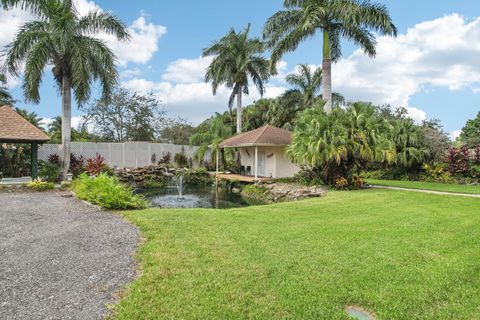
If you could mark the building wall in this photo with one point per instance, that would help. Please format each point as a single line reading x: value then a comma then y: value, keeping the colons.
x: 277, y: 164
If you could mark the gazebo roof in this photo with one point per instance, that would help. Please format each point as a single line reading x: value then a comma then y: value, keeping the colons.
x: 265, y: 136
x: 15, y: 128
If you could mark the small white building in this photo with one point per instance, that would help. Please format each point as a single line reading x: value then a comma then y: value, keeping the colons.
x: 262, y: 153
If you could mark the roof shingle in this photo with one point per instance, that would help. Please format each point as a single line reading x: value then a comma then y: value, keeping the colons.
x: 265, y: 136
x: 13, y: 128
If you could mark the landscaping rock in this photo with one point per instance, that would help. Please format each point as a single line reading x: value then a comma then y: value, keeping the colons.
x: 279, y: 192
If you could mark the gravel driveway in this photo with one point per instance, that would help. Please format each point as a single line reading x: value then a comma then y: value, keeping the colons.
x: 61, y: 258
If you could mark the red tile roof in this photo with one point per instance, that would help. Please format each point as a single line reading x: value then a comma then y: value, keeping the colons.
x: 14, y: 128
x: 264, y: 136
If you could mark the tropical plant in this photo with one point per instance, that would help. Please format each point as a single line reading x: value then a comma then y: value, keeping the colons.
x: 49, y: 171
x: 38, y: 185
x: 406, y: 136
x: 308, y: 81
x: 457, y: 160
x: 208, y: 135
x: 337, y: 144
x: 62, y: 38
x: 350, y: 19
x: 237, y: 59
x: 107, y: 192
x: 96, y: 165
x: 181, y: 159
x: 5, y: 95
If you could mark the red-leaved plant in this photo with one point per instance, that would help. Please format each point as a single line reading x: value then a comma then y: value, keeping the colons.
x: 96, y: 165
x: 476, y: 158
x: 457, y: 160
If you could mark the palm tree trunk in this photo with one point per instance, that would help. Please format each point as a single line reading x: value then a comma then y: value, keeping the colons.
x: 239, y: 111
x: 327, y: 73
x: 66, y: 124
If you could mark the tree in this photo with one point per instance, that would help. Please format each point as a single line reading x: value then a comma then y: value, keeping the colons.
x: 337, y: 144
x: 209, y: 134
x: 5, y: 96
x: 31, y: 117
x: 351, y: 19
x: 176, y: 131
x: 237, y: 59
x: 308, y: 82
x: 78, y: 134
x: 60, y: 37
x: 126, y: 116
x: 471, y: 132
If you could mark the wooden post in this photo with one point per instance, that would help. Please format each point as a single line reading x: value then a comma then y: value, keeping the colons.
x: 34, y: 161
x: 256, y: 162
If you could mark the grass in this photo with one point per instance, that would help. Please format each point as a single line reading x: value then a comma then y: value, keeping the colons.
x: 400, y: 255
x: 434, y: 186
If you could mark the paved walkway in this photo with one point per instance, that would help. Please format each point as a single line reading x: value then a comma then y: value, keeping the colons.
x: 61, y: 258
x: 428, y: 191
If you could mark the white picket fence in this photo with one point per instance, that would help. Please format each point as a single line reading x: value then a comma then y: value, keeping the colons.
x: 121, y: 155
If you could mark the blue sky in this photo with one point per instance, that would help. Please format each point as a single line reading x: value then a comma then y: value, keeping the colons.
x: 418, y: 70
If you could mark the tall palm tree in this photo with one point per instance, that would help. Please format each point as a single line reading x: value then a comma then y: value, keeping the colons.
x: 302, y: 19
x: 62, y: 38
x: 307, y: 82
x: 237, y: 59
x: 5, y: 96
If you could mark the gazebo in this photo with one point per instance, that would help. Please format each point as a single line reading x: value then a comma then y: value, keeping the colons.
x: 16, y: 129
x: 262, y: 154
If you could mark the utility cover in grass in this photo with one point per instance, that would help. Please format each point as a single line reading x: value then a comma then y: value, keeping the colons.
x: 359, y: 313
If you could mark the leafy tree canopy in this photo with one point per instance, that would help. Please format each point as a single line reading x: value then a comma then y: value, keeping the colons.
x: 471, y: 132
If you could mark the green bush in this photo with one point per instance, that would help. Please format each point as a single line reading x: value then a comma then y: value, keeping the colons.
x: 181, y: 159
x: 107, y: 192
x: 197, y: 177
x: 39, y: 185
x: 256, y: 195
x: 154, y: 183
x: 49, y: 171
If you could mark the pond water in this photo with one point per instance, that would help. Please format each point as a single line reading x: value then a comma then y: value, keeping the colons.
x: 194, y: 197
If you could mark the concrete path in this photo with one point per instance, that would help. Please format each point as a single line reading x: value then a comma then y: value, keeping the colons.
x: 428, y: 191
x: 61, y: 258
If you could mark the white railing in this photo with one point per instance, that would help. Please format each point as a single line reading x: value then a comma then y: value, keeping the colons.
x: 121, y: 155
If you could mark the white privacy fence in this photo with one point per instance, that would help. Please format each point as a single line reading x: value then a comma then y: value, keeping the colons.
x: 121, y: 155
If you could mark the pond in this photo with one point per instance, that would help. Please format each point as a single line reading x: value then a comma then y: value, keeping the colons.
x: 194, y: 197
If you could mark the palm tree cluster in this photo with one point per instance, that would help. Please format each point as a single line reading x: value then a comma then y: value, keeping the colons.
x: 61, y: 38
x: 350, y: 140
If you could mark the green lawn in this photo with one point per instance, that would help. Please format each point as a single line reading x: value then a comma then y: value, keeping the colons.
x: 435, y: 186
x: 401, y: 255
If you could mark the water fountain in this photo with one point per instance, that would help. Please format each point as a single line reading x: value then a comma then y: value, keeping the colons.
x: 179, y: 184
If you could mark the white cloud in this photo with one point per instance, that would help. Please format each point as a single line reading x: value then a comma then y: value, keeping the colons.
x: 187, y: 70
x: 441, y: 53
x: 455, y: 134
x: 140, y: 49
x: 142, y: 45
x: 416, y: 114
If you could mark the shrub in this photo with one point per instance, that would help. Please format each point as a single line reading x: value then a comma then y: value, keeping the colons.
x: 475, y: 171
x: 457, y: 160
x: 49, y: 171
x: 39, y: 185
x: 166, y: 158
x: 96, y: 166
x: 255, y: 194
x: 181, y: 159
x: 358, y: 182
x: 54, y: 159
x: 476, y: 155
x: 197, y: 177
x: 341, y: 183
x: 107, y: 192
x: 76, y: 165
x: 436, y: 172
x: 154, y: 183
